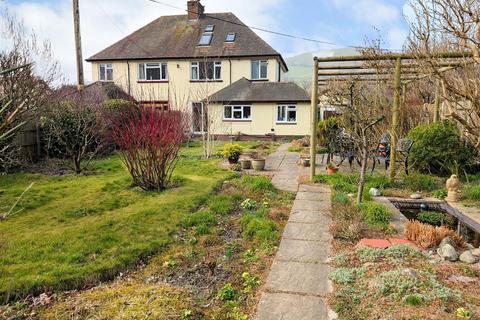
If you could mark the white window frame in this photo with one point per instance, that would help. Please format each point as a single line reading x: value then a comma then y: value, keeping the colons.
x: 260, y: 63
x: 238, y: 108
x: 195, y: 65
x: 153, y: 65
x: 104, y: 77
x: 287, y: 107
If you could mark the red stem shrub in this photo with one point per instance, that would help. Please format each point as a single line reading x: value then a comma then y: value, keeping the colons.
x: 149, y: 141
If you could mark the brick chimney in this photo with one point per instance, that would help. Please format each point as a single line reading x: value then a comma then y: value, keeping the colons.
x: 195, y: 9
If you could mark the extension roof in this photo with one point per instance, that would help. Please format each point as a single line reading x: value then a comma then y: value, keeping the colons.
x: 175, y: 37
x: 245, y: 90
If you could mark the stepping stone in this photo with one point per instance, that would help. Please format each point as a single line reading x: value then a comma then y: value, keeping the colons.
x: 309, y: 205
x: 304, y: 231
x: 284, y: 306
x: 303, y: 251
x: 308, y: 217
x: 313, y: 196
x: 315, y: 188
x: 299, y: 277
x: 374, y: 243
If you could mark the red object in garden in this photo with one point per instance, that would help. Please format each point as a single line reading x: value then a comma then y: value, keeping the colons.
x: 149, y: 141
x: 374, y: 243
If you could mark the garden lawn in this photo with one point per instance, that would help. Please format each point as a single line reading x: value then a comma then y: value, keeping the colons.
x: 77, y: 230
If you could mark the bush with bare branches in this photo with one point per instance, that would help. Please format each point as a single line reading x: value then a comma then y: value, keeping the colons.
x: 149, y: 142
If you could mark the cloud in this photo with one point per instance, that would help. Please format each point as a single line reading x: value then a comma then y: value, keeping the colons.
x: 396, y: 38
x: 374, y: 12
x: 107, y: 21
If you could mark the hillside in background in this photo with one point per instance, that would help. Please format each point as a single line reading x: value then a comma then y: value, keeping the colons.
x: 300, y: 66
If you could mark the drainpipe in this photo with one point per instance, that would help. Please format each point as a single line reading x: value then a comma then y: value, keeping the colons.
x: 128, y: 76
x: 230, y: 62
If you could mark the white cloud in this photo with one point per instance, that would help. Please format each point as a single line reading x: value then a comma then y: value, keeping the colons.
x: 396, y: 38
x: 374, y: 12
x: 107, y: 21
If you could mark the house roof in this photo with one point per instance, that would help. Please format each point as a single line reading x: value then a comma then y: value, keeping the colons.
x: 94, y: 93
x: 171, y: 37
x: 245, y: 90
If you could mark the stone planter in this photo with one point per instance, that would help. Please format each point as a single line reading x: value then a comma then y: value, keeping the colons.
x: 246, y: 164
x: 258, y: 164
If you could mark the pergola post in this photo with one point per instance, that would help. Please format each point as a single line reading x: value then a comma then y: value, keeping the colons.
x: 436, y: 110
x: 313, y: 117
x: 395, y: 113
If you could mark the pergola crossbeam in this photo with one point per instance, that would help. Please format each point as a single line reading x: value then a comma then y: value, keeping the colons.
x: 402, y: 68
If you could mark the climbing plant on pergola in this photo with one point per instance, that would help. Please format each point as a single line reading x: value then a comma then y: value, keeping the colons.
x: 403, y: 67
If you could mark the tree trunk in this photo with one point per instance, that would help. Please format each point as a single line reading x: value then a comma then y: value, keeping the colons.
x: 76, y: 163
x: 363, y: 170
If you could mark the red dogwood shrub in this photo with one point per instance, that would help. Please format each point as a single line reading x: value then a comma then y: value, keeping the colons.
x: 149, y: 141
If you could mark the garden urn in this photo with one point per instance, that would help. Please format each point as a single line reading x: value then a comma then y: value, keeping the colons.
x: 258, y: 164
x: 453, y: 184
x: 246, y: 164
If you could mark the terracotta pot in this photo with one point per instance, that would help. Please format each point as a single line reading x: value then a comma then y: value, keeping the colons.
x: 331, y: 171
x: 258, y: 164
x: 246, y: 164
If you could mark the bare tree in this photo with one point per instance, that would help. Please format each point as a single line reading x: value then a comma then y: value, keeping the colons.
x: 362, y: 106
x: 25, y: 88
x: 451, y: 25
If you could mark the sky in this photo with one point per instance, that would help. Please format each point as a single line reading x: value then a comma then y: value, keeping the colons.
x: 103, y: 22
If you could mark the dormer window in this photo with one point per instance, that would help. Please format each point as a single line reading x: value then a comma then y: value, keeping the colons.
x: 206, y: 39
x: 230, y: 37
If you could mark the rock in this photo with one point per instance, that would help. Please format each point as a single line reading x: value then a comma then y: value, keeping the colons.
x: 476, y: 252
x: 468, y: 257
x: 447, y: 240
x: 470, y: 247
x: 416, y: 196
x: 374, y: 192
x: 448, y: 252
x: 410, y: 273
x: 43, y: 300
x: 461, y: 279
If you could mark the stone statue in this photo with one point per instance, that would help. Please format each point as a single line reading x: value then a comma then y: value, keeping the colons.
x: 453, y: 185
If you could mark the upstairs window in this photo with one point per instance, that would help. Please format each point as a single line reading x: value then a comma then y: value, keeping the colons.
x: 152, y: 72
x: 259, y: 70
x: 206, y: 70
x: 209, y: 28
x: 237, y: 113
x: 106, y: 72
x: 230, y: 37
x: 206, y: 39
x: 287, y: 114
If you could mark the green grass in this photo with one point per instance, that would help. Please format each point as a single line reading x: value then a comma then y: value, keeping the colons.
x: 193, y: 149
x: 77, y: 230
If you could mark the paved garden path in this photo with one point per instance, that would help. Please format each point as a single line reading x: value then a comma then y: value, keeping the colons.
x: 298, y: 285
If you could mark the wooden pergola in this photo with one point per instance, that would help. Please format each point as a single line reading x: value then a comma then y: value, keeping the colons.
x: 356, y: 68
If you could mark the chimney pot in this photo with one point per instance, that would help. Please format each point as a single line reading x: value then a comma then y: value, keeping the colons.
x: 195, y: 9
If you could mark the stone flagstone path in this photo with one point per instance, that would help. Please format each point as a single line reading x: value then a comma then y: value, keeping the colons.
x: 297, y: 285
